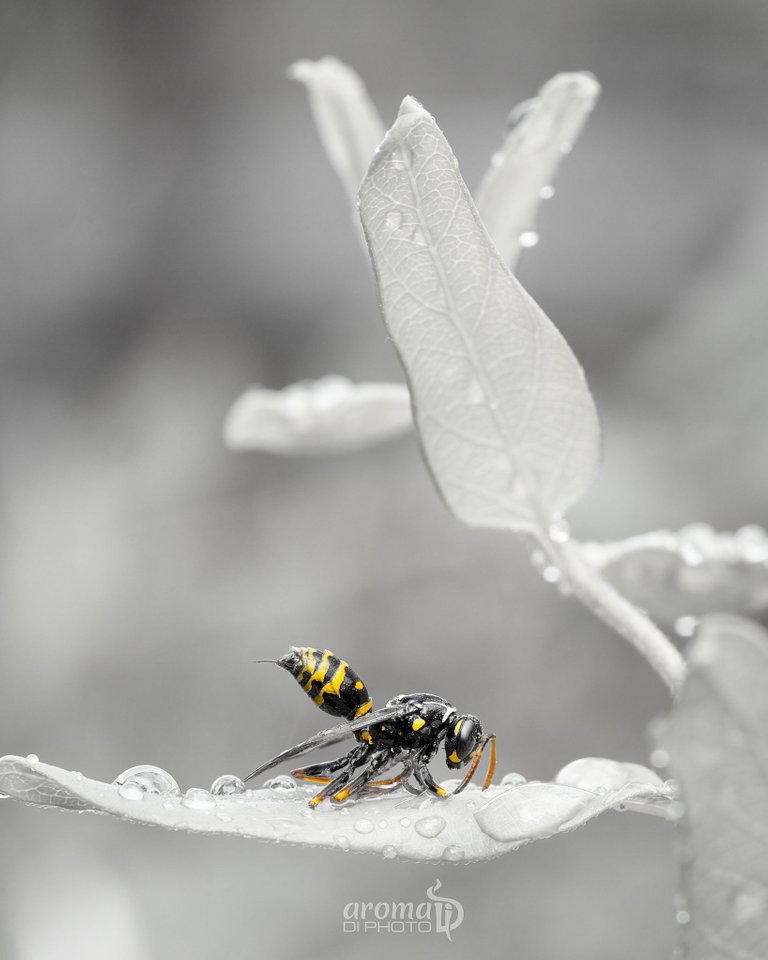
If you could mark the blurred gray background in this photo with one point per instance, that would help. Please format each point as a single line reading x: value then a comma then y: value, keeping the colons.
x: 172, y: 232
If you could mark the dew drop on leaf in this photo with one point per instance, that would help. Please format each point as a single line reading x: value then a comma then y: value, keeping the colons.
x: 281, y: 784
x: 430, y: 826
x: 226, y: 785
x: 453, y: 853
x: 363, y: 826
x: 149, y: 779
x: 341, y: 842
x: 389, y: 852
x: 529, y: 238
x: 513, y: 780
x: 198, y: 799
x: 32, y: 759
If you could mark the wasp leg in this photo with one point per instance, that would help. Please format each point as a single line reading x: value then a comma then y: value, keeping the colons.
x: 355, y: 758
x: 316, y: 771
x: 379, y: 761
x: 473, y: 768
x: 427, y: 781
x: 425, y: 777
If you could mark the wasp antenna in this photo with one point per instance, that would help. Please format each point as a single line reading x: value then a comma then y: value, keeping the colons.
x: 263, y: 661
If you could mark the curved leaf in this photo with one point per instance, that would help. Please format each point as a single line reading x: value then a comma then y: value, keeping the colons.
x: 475, y: 825
x: 521, y: 173
x: 717, y: 742
x: 504, y: 414
x: 689, y: 573
x: 317, y: 416
x: 347, y: 121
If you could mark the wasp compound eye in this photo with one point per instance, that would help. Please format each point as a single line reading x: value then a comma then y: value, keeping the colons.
x: 462, y: 740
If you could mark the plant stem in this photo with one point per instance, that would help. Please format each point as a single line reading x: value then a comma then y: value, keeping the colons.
x: 606, y: 602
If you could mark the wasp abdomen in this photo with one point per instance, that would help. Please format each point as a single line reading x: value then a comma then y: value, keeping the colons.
x: 329, y: 681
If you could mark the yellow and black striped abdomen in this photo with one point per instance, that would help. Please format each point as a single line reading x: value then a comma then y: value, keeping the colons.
x: 330, y: 682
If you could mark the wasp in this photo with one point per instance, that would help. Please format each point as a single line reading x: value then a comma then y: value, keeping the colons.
x: 407, y: 731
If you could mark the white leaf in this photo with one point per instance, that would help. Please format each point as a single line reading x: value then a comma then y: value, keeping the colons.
x: 504, y: 414
x: 688, y: 573
x: 475, y: 825
x: 522, y: 172
x: 348, y: 123
x: 317, y: 416
x: 717, y: 743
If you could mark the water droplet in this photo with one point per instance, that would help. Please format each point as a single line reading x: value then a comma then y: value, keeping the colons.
x: 79, y: 776
x: 551, y: 574
x: 405, y: 822
x: 224, y: 817
x: 547, y: 192
x: 686, y: 626
x: 453, y: 853
x: 559, y: 530
x: 676, y: 811
x: 32, y: 759
x: 226, y: 785
x: 528, y: 238
x: 130, y: 791
x: 168, y: 804
x: 417, y: 235
x: 430, y: 826
x: 513, y: 780
x: 682, y: 917
x: 363, y: 826
x: 659, y: 758
x: 389, y: 852
x: 341, y: 842
x: 566, y: 146
x: 282, y: 784
x: 383, y: 824
x: 394, y: 220
x: 149, y: 779
x: 601, y: 791
x: 198, y: 799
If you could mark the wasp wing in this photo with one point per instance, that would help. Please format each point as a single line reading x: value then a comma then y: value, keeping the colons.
x: 327, y: 737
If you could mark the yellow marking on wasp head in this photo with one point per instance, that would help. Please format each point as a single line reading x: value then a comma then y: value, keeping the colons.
x: 321, y: 671
x: 454, y: 757
x: 333, y: 686
x: 418, y: 723
x: 458, y: 727
x: 366, y: 736
x: 362, y: 710
x: 359, y: 685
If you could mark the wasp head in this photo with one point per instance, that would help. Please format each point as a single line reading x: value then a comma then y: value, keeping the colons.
x: 462, y: 741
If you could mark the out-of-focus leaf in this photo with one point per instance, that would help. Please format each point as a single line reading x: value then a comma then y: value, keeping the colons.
x: 318, y: 416
x: 689, y: 573
x: 475, y: 825
x: 347, y: 121
x: 504, y: 414
x: 521, y: 173
x: 717, y: 742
